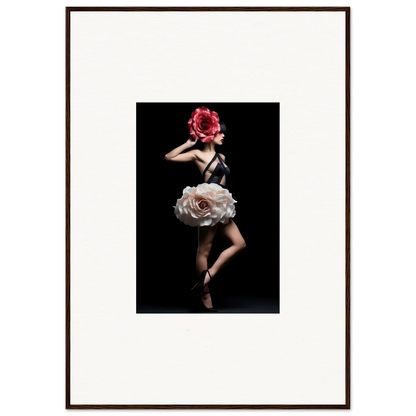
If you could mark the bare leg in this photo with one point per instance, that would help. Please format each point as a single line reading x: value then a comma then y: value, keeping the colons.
x: 231, y: 232
x: 205, y: 237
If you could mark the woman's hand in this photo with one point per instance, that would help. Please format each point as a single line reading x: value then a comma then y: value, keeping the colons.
x: 175, y: 155
x: 191, y: 142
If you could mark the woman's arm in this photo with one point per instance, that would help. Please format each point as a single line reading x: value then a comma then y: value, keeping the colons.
x: 175, y: 156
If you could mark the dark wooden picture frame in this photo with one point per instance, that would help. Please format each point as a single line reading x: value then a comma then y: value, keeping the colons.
x: 67, y: 406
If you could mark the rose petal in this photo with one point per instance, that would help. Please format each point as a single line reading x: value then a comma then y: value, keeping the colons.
x: 205, y: 204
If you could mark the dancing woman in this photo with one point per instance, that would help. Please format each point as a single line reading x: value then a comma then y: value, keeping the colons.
x: 210, y: 205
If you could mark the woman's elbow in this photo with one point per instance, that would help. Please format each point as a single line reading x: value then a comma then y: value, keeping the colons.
x: 167, y: 157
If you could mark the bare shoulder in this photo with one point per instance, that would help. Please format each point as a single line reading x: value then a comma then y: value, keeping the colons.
x: 198, y: 154
x: 222, y: 156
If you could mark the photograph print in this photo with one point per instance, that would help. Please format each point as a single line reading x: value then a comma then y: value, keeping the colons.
x: 208, y: 207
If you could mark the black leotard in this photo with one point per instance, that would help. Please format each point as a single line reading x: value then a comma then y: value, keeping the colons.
x: 217, y: 172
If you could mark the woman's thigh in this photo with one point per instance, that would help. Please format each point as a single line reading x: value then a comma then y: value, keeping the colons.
x: 206, y: 235
x: 231, y: 232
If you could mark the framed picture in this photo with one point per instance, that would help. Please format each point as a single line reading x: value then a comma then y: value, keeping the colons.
x: 242, y: 294
x: 207, y: 207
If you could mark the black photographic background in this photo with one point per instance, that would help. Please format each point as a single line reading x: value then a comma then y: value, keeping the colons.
x: 166, y: 248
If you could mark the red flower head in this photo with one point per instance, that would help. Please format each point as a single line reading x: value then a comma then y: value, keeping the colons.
x: 204, y: 124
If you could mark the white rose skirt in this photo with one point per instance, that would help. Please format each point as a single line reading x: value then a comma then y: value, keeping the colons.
x: 205, y: 205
